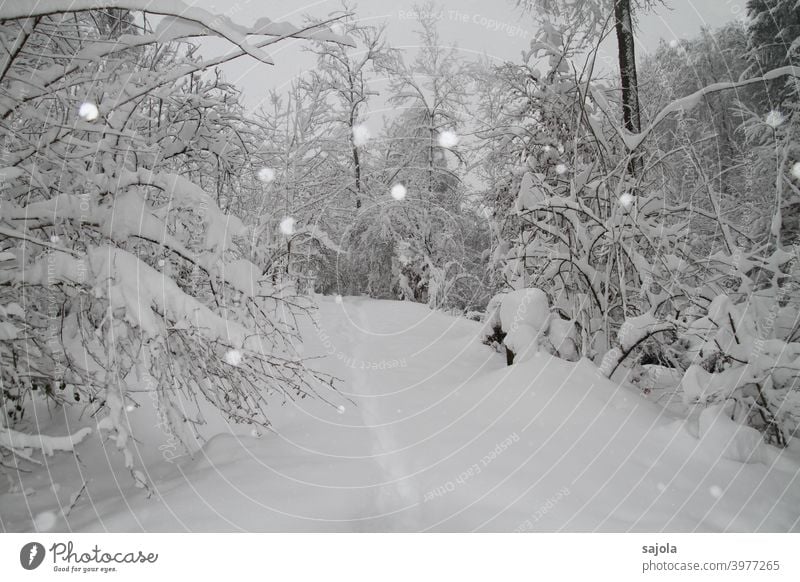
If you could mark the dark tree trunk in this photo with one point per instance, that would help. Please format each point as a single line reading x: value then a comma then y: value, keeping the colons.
x: 356, y: 157
x: 623, y: 21
x: 357, y: 166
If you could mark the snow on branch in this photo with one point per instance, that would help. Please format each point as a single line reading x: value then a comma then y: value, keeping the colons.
x: 221, y: 25
x: 146, y: 295
x: 215, y: 24
x: 172, y: 28
x: 17, y: 441
x: 12, y: 233
x: 633, y: 140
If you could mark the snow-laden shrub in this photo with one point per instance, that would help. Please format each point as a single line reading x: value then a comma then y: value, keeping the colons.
x: 736, y: 355
x: 522, y: 322
x: 732, y: 354
x: 640, y: 341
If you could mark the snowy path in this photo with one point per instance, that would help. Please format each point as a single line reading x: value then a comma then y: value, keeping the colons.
x: 433, y: 433
x: 385, y: 442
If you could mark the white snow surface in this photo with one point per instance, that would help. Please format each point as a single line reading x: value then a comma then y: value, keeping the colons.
x: 430, y: 431
x: 730, y: 439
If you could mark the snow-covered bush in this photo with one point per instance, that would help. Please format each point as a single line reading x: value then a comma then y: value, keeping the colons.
x: 640, y: 340
x: 119, y: 274
x: 522, y: 322
x: 732, y: 355
x: 735, y: 354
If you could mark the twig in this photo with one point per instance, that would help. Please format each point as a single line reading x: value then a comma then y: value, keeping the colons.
x: 73, y: 501
x: 626, y: 353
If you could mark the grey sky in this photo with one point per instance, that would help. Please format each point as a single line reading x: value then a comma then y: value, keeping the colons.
x: 496, y: 28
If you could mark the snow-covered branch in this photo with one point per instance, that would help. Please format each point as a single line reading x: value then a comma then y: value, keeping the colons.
x: 632, y: 141
x: 16, y: 441
x: 203, y: 20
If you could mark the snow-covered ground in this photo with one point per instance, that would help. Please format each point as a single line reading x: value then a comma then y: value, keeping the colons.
x: 430, y: 431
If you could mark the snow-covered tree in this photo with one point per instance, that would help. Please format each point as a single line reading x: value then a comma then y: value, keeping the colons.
x: 420, y: 170
x: 300, y: 186
x: 587, y: 22
x: 346, y: 78
x: 343, y: 75
x: 121, y: 274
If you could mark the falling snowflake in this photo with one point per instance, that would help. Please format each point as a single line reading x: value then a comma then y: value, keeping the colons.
x: 448, y: 139
x: 626, y: 201
x: 287, y: 225
x: 233, y: 357
x: 547, y: 148
x: 338, y: 299
x: 266, y: 175
x: 661, y: 487
x: 561, y: 169
x: 88, y: 111
x: 673, y: 43
x: 796, y: 170
x: 338, y: 29
x: 130, y: 408
x: 360, y: 135
x: 54, y: 238
x: 774, y: 118
x: 398, y: 192
x: 45, y: 521
x: 161, y: 262
x: 255, y: 433
x: 340, y: 409
x: 716, y: 492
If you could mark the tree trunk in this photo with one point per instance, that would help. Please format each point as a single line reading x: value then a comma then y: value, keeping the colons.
x: 623, y: 21
x: 357, y: 166
x: 356, y: 158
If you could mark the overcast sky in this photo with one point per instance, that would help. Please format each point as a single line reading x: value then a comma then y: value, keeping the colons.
x: 492, y: 27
